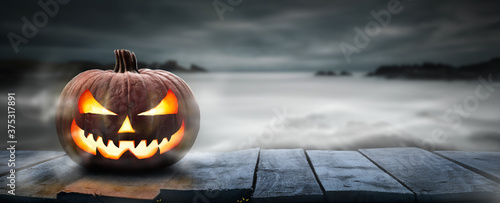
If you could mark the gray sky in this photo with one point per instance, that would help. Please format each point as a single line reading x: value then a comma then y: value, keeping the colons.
x: 258, y: 35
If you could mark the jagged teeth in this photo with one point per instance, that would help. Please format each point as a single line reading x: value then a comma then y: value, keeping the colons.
x: 99, y: 142
x: 148, y: 142
x: 111, y: 144
x: 138, y: 143
x: 143, y: 150
x: 142, y: 144
x: 116, y: 140
x: 114, y: 148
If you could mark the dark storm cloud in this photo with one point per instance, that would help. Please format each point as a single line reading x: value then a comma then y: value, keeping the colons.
x: 259, y: 35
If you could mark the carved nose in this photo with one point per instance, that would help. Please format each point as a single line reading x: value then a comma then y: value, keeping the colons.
x: 126, y: 127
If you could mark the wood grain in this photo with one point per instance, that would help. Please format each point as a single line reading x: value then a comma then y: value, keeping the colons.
x: 433, y: 178
x: 213, y: 177
x: 45, y: 180
x: 26, y: 158
x: 198, y: 175
x: 284, y: 175
x: 484, y: 163
x: 348, y: 176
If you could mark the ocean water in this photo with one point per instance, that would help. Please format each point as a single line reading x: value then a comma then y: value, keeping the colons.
x: 299, y: 110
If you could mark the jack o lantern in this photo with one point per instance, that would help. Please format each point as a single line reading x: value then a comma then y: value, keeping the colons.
x: 127, y: 118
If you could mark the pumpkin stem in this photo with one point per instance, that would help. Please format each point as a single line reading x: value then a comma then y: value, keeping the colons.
x: 125, y: 61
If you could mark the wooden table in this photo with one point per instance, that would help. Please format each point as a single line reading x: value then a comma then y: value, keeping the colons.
x: 267, y: 175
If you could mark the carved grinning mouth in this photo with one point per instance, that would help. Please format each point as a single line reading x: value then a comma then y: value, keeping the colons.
x: 111, y: 151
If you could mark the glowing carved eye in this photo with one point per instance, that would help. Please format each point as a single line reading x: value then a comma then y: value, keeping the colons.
x: 167, y: 105
x: 88, y: 104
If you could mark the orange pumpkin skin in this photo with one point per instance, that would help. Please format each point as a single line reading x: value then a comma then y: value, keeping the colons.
x: 127, y: 119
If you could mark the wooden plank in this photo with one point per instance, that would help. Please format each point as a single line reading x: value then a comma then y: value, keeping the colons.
x: 348, y: 176
x: 213, y: 177
x: 85, y: 198
x: 484, y: 163
x: 42, y: 182
x: 100, y: 186
x: 192, y: 177
x: 284, y: 175
x: 433, y: 178
x: 25, y: 159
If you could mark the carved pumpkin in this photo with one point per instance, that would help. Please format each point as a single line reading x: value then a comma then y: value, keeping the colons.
x: 127, y: 118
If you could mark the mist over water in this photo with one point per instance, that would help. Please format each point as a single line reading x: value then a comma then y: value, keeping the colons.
x: 246, y: 110
x: 299, y: 110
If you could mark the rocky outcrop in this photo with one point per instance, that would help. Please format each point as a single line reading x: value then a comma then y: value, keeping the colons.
x: 332, y: 73
x: 429, y: 70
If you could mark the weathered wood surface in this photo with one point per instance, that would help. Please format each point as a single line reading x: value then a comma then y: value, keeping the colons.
x: 284, y: 175
x: 433, y: 178
x: 25, y: 159
x: 214, y: 177
x: 43, y: 181
x: 218, y: 177
x: 484, y: 163
x: 348, y: 176
x: 97, y: 186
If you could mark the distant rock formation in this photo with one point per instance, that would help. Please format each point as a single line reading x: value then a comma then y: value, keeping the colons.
x: 440, y: 71
x: 196, y: 68
x: 332, y: 73
x: 15, y: 70
x: 345, y: 73
x: 171, y: 65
